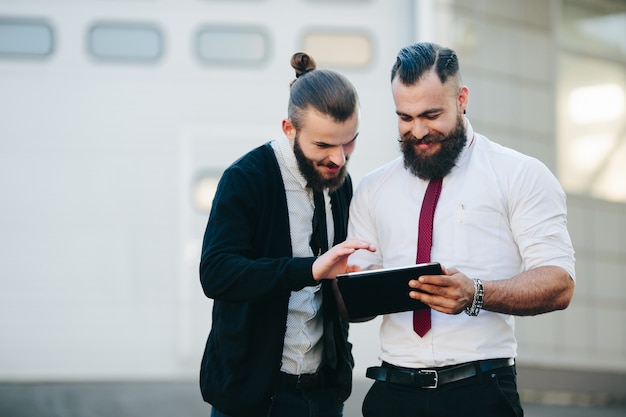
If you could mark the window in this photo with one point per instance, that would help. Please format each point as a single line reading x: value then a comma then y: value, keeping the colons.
x: 125, y: 42
x: 220, y: 45
x: 339, y: 49
x: 25, y: 38
x: 591, y: 91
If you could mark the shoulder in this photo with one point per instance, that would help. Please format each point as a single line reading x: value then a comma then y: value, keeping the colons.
x: 384, y: 180
x: 382, y: 174
x: 253, y: 174
x: 493, y: 149
x: 258, y: 158
x: 505, y: 159
x: 259, y: 161
x: 511, y: 168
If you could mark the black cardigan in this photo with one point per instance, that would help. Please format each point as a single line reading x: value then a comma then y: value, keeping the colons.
x: 248, y: 269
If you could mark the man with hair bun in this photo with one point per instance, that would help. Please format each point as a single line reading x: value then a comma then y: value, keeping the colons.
x: 274, y: 242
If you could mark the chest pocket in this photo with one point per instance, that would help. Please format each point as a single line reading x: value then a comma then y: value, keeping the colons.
x: 477, y: 235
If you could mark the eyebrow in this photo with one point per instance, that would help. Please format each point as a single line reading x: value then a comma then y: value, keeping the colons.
x: 353, y: 139
x: 426, y: 113
x: 318, y: 143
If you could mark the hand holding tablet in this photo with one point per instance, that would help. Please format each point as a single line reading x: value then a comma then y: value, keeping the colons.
x: 382, y: 291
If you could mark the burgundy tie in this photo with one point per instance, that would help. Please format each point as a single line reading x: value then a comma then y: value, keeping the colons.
x: 421, y: 318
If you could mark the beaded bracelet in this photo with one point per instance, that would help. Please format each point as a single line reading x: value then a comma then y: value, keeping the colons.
x: 477, y: 303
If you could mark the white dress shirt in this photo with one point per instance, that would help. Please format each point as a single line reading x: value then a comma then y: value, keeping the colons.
x: 499, y: 213
x: 303, y: 348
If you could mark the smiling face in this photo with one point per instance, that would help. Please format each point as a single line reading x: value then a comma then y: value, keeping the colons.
x: 430, y: 123
x: 323, y: 147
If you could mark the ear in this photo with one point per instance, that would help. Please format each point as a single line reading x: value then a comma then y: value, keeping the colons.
x: 463, y: 98
x: 289, y: 129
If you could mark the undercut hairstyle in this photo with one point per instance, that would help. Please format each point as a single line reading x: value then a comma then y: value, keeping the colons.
x: 326, y: 91
x: 413, y: 61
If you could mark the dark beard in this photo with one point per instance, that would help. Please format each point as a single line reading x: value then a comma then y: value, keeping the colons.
x: 440, y: 164
x: 314, y: 179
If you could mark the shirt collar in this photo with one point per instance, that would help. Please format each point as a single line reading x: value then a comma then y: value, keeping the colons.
x: 284, y: 148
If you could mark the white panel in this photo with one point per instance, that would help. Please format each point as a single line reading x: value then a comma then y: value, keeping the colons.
x: 606, y: 236
x: 578, y: 332
x: 100, y: 238
x: 535, y: 56
x: 535, y: 109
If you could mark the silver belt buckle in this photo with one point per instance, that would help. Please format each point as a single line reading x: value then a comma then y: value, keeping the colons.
x: 436, y: 377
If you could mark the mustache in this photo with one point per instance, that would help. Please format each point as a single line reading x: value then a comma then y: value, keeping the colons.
x: 331, y: 165
x: 426, y: 139
x: 334, y: 165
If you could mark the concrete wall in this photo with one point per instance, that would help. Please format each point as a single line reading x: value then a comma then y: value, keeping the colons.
x: 508, y: 51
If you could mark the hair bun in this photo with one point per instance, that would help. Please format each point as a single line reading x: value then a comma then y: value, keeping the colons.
x: 302, y: 63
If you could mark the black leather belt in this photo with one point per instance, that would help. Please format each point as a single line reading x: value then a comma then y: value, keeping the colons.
x: 432, y: 378
x: 303, y: 381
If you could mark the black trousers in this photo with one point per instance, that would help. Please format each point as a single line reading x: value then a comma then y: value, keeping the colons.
x: 492, y: 394
x: 291, y: 401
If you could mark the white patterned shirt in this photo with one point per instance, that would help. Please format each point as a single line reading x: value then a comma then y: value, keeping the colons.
x: 303, y: 346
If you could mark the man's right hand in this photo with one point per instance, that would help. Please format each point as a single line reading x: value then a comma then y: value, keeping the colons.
x: 335, y: 260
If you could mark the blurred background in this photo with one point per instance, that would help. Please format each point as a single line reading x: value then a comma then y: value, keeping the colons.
x: 117, y: 118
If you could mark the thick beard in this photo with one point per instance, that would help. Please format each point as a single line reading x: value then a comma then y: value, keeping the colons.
x: 441, y: 163
x: 314, y: 179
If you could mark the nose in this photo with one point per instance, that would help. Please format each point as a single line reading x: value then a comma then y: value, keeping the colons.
x: 338, y: 156
x: 419, y: 129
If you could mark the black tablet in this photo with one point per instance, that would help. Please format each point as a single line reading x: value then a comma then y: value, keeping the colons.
x: 382, y: 291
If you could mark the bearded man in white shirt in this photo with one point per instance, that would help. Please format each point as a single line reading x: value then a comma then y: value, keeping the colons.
x: 499, y: 231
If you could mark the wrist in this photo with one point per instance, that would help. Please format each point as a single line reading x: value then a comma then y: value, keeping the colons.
x: 477, y: 303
